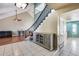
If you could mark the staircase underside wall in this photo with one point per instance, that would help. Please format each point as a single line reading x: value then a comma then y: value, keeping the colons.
x: 49, y: 25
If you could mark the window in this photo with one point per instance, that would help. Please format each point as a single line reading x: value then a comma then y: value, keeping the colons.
x: 74, y: 28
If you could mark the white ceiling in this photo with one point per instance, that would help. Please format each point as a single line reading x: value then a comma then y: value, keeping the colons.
x: 72, y: 15
x: 8, y: 9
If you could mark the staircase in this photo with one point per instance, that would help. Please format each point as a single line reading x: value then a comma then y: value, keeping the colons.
x: 46, y: 24
x: 40, y: 19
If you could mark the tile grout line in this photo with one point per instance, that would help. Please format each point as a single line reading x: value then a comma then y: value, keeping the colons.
x: 4, y: 51
x: 12, y: 49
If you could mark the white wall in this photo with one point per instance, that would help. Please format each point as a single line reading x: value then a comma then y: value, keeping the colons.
x: 12, y: 25
x: 49, y: 25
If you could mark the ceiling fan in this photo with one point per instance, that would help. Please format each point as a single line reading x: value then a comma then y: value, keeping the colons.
x: 19, y: 5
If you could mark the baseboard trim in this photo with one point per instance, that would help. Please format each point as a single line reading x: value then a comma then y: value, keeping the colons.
x: 56, y: 52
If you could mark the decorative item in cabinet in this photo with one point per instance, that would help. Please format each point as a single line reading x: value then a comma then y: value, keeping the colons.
x: 47, y: 41
x: 41, y: 38
x: 37, y: 38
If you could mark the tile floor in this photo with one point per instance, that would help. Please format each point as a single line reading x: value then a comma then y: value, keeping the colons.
x: 24, y: 48
x: 28, y: 48
x: 71, y: 48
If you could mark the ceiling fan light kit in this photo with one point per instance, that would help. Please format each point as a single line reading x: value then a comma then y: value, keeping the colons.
x: 20, y: 5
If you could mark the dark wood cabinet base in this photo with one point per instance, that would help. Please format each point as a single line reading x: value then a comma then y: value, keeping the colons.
x: 4, y: 34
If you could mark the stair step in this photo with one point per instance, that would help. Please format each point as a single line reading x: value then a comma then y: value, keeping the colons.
x: 41, y: 19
